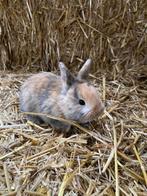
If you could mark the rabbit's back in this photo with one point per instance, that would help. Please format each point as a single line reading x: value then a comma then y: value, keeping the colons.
x: 38, y: 90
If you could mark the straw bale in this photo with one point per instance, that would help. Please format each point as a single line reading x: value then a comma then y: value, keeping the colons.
x: 40, y: 33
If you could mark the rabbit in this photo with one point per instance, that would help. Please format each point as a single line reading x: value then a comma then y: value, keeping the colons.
x: 66, y: 96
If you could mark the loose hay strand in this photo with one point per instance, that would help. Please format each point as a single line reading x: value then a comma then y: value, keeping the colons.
x: 13, y: 193
x: 115, y: 161
x: 68, y: 122
x: 67, y: 179
x: 7, y: 177
x: 45, y: 152
x: 132, y: 173
x: 141, y: 164
x: 16, y: 150
x: 34, y: 193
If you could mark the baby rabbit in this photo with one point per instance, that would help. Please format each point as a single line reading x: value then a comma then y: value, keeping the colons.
x: 64, y: 96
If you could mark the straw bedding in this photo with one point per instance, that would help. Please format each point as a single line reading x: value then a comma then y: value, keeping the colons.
x: 106, y: 157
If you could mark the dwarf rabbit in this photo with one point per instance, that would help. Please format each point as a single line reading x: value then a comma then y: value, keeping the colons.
x: 64, y: 96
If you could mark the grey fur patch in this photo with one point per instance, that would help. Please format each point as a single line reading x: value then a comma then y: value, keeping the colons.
x: 35, y: 119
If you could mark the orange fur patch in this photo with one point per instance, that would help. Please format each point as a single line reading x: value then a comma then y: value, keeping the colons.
x: 89, y: 94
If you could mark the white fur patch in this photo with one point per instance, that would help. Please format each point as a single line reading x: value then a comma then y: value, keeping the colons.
x: 85, y: 109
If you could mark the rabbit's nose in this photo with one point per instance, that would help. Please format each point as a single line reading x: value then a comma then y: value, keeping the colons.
x: 99, y: 108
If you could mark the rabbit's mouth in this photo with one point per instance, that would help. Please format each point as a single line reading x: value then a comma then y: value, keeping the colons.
x: 91, y: 115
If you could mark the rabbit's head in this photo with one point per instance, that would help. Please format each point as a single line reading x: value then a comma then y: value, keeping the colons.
x: 79, y: 100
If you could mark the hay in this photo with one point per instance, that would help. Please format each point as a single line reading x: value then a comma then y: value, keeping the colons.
x: 37, y: 34
x: 107, y: 157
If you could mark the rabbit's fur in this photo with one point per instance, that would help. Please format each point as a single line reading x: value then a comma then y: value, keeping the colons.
x: 61, y: 96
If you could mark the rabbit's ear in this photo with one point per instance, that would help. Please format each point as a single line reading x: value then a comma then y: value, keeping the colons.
x: 67, y: 78
x: 84, y: 71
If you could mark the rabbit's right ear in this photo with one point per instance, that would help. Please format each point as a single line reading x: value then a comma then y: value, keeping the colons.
x: 66, y: 76
x: 84, y: 71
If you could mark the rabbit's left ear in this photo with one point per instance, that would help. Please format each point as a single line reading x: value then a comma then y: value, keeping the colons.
x: 84, y: 71
x: 66, y: 76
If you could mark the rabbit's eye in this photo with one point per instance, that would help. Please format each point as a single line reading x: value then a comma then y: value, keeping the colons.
x: 81, y: 102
